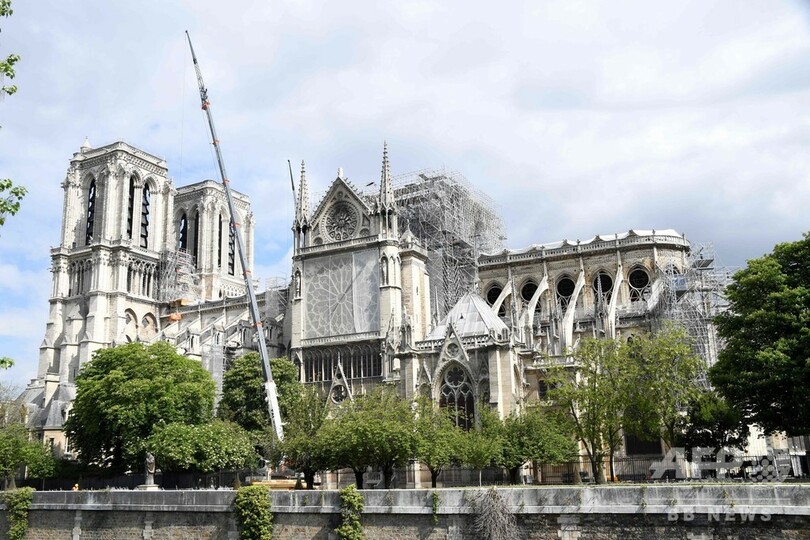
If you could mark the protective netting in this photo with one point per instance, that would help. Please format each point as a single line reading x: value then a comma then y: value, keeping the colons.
x: 341, y: 294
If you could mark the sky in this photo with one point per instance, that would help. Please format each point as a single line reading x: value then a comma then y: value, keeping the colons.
x: 577, y: 117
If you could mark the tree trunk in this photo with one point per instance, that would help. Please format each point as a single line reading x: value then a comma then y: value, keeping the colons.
x: 434, y: 476
x: 388, y: 474
x: 612, y: 471
x: 309, y: 477
x: 514, y: 476
x: 598, y: 469
x: 479, y: 477
x: 358, y: 478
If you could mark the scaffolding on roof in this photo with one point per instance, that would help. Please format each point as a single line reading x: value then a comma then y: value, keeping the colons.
x: 275, y: 302
x: 693, y: 296
x: 178, y: 281
x: 455, y: 222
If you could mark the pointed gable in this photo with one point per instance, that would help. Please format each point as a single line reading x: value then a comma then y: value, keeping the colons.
x: 343, y: 213
x: 471, y: 316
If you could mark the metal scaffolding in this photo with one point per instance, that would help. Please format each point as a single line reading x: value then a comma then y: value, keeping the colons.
x: 179, y: 281
x: 275, y: 297
x: 454, y: 222
x: 693, y: 296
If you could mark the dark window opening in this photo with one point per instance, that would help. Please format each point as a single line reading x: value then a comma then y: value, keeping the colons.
x: 635, y: 446
x: 542, y: 389
x: 131, y: 207
x: 493, y: 293
x: 196, y: 245
x: 232, y: 252
x: 183, y: 243
x: 528, y: 290
x: 145, y: 201
x: 639, y: 281
x: 456, y: 395
x: 565, y: 290
x: 91, y: 212
x: 219, y: 244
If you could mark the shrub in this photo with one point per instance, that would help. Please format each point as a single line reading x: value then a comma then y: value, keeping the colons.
x: 253, y: 513
x: 351, y: 506
x: 17, y: 502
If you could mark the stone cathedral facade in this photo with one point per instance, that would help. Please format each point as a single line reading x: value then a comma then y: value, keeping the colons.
x: 360, y: 307
x: 121, y: 216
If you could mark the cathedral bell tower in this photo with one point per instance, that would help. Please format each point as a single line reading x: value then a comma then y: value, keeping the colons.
x: 115, y: 222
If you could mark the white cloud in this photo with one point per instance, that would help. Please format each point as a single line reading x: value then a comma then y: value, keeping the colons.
x: 577, y: 117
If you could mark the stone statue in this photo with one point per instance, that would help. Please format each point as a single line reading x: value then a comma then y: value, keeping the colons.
x: 150, y: 469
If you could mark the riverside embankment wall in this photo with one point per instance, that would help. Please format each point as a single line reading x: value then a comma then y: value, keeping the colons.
x: 660, y: 511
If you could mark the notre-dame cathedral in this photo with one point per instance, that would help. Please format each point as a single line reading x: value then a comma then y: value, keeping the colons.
x: 408, y: 284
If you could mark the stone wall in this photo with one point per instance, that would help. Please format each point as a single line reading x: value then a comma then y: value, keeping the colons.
x: 675, y: 511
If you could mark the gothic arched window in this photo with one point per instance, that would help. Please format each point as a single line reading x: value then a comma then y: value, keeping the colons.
x: 91, y: 212
x: 183, y: 242
x: 131, y: 207
x: 456, y: 394
x: 219, y: 244
x: 195, y: 247
x: 145, y: 217
x: 232, y: 252
x: 639, y: 281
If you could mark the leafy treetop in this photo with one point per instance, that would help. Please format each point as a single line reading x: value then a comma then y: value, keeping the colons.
x: 764, y: 369
x: 10, y: 195
x: 124, y: 393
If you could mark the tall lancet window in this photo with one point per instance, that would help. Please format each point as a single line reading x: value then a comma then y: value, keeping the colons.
x: 219, y: 244
x: 91, y: 212
x: 231, y: 252
x: 145, y: 216
x: 131, y: 207
x: 195, y: 247
x: 183, y: 241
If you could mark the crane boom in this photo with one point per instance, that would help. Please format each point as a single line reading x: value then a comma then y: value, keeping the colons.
x: 271, y: 394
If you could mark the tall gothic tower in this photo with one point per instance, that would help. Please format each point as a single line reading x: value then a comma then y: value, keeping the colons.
x: 116, y: 220
x: 123, y: 224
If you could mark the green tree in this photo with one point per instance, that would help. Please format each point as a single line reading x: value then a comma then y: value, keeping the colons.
x: 482, y: 446
x: 539, y: 436
x: 438, y: 439
x: 764, y: 369
x: 662, y: 370
x: 124, y: 393
x: 16, y: 447
x: 373, y: 430
x: 10, y: 195
x: 16, y: 451
x: 243, y: 396
x: 6, y: 362
x: 595, y: 394
x: 203, y: 447
x: 302, y: 446
x: 711, y: 422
